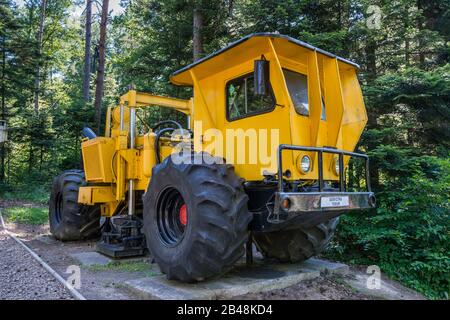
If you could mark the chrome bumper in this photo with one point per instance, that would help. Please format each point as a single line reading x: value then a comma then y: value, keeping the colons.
x: 299, y: 203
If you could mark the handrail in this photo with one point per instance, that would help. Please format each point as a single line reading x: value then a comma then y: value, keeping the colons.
x: 320, y: 152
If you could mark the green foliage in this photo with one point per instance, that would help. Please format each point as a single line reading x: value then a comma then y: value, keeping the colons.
x: 40, y: 145
x: 416, y: 104
x: 26, y: 215
x: 408, y: 235
x: 404, y: 71
x: 35, y: 194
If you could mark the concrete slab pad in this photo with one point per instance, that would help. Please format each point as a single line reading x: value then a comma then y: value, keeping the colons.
x: 326, y: 266
x: 91, y: 258
x: 388, y: 289
x: 241, y: 280
x: 95, y: 258
x: 47, y: 239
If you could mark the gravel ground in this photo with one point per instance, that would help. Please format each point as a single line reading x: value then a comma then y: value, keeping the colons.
x: 22, y: 277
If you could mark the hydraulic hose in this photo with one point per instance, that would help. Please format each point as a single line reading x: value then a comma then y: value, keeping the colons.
x: 158, y: 137
x: 165, y: 122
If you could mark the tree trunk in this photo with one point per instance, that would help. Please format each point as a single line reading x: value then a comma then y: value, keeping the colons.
x: 230, y: 7
x: 374, y: 170
x: 407, y: 50
x: 3, y: 102
x: 40, y: 35
x: 197, y: 32
x: 425, y: 20
x: 351, y: 176
x: 30, y: 157
x: 340, y: 15
x: 87, y: 52
x: 101, y: 65
x: 371, y: 62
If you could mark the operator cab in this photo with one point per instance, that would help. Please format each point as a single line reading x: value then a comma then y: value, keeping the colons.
x: 309, y: 99
x: 269, y: 81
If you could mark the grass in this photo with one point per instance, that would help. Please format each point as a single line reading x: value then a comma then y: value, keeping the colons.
x: 144, y: 267
x: 35, y: 216
x: 39, y: 195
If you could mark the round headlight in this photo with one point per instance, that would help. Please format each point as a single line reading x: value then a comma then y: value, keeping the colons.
x: 305, y: 164
x: 336, y: 165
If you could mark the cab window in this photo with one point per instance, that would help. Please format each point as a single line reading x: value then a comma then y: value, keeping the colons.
x: 242, y: 101
x: 297, y: 84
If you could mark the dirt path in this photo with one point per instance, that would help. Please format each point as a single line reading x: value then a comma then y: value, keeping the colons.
x: 22, y: 277
x: 95, y: 284
x: 100, y: 283
x: 349, y: 287
x: 323, y: 288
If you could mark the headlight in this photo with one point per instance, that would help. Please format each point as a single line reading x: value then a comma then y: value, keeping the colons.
x: 305, y: 164
x: 336, y: 165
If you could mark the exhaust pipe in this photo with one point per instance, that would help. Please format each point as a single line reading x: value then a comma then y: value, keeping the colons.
x: 88, y: 133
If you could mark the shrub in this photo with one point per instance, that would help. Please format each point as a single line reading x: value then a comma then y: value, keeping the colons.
x: 408, y: 235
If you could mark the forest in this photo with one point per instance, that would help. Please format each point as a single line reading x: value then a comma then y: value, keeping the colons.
x: 63, y: 62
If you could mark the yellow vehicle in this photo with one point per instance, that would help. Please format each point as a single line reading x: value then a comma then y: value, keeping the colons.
x: 196, y: 197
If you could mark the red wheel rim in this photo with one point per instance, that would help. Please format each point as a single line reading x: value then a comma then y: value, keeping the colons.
x: 183, y: 215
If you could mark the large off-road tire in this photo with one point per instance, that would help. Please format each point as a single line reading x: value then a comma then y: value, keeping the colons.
x: 69, y: 220
x: 195, y: 217
x: 296, y: 245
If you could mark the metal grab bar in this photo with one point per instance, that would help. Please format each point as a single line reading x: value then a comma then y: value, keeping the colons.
x: 320, y: 152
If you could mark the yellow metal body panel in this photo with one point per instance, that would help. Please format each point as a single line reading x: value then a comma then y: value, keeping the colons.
x: 330, y: 81
x: 95, y: 194
x: 97, y: 155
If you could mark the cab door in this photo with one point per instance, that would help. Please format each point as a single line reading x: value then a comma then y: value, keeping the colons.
x: 255, y: 125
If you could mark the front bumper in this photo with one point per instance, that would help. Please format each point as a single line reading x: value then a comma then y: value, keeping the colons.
x: 307, y: 209
x: 303, y: 209
x: 299, y: 203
